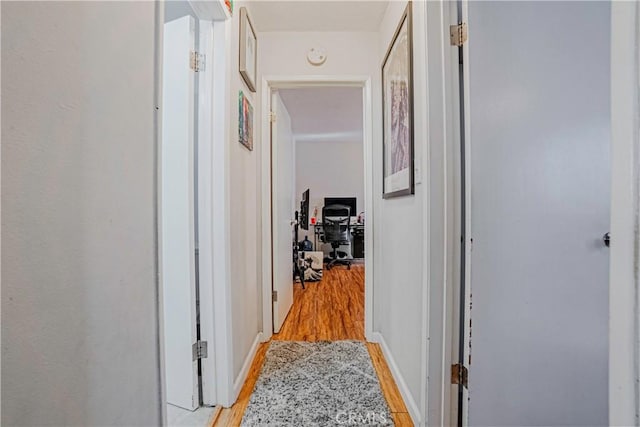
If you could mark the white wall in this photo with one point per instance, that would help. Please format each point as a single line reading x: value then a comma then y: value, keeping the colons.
x: 284, y: 53
x: 624, y: 339
x: 246, y: 291
x: 398, y: 267
x: 330, y: 169
x: 79, y: 295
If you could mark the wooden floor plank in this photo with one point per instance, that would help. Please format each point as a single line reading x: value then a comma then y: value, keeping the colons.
x: 328, y: 310
x: 388, y: 385
x: 401, y: 419
x: 233, y: 416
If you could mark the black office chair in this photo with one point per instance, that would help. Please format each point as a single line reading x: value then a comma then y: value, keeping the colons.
x: 336, y: 223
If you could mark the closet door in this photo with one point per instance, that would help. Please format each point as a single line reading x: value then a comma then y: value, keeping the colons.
x: 539, y: 136
x: 177, y: 214
x: 282, y: 155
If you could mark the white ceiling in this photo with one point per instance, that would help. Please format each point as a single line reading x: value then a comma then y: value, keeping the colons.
x: 322, y: 114
x: 314, y: 15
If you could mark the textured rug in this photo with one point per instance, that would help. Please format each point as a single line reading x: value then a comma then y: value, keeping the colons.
x: 317, y: 384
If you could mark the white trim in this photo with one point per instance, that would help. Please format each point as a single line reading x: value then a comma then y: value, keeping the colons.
x: 211, y: 10
x: 205, y: 212
x: 624, y: 398
x: 158, y: 66
x: 468, y: 209
x: 441, y: 240
x: 220, y: 188
x: 409, y: 401
x: 297, y: 81
x: 242, y: 376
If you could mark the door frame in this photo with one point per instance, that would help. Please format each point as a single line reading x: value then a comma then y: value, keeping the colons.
x: 299, y: 81
x: 624, y: 279
x: 213, y: 18
x: 461, y: 310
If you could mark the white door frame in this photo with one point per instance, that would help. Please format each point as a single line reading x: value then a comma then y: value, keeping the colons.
x: 297, y: 81
x: 462, y: 301
x: 624, y: 281
x: 212, y: 15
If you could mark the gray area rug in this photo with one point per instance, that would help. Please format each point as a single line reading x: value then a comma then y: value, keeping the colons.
x: 317, y: 384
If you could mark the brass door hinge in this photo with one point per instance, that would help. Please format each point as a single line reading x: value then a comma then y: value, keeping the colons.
x: 459, y: 375
x: 458, y: 34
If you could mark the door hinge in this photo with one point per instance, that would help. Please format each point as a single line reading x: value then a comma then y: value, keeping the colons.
x: 459, y: 375
x: 196, y: 61
x: 272, y: 116
x: 199, y: 350
x: 458, y: 34
x: 274, y: 295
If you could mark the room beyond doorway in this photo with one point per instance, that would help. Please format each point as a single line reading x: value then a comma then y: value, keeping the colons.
x: 293, y: 90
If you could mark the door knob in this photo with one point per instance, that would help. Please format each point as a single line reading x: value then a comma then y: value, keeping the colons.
x: 607, y: 239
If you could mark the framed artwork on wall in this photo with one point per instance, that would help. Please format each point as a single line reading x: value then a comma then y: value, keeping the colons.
x: 248, y: 51
x: 397, y: 112
x: 245, y: 121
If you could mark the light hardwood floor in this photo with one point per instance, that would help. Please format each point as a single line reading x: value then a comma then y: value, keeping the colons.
x: 332, y: 309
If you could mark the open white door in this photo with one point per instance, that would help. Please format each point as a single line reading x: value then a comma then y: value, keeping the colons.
x: 282, y: 188
x: 539, y: 141
x: 177, y: 214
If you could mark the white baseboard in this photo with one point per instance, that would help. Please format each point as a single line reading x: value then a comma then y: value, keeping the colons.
x: 412, y: 407
x: 242, y: 376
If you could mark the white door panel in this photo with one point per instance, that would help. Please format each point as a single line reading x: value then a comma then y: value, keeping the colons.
x: 282, y: 210
x: 540, y: 197
x: 178, y: 227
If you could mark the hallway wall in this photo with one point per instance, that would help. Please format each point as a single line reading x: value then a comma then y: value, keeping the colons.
x: 398, y: 230
x: 79, y: 279
x: 246, y: 290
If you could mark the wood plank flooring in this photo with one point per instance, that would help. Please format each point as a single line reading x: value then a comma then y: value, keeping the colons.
x: 332, y: 309
x: 328, y: 310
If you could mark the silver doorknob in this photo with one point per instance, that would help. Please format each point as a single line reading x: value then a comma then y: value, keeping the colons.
x: 607, y: 238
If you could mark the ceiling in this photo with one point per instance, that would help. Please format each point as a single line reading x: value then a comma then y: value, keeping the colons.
x: 314, y: 15
x: 322, y: 114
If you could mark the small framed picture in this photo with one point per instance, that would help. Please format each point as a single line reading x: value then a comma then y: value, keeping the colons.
x: 245, y: 121
x: 248, y: 50
x: 397, y: 114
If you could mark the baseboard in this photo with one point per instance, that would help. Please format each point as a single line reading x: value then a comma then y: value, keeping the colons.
x: 412, y: 407
x: 242, y: 376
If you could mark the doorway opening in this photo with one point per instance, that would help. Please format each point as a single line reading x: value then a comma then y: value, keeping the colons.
x: 317, y: 142
x: 319, y: 160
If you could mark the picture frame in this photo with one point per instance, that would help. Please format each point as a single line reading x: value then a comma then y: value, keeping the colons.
x: 245, y: 121
x: 248, y: 50
x: 398, y: 177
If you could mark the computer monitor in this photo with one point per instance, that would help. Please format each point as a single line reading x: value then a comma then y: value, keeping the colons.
x: 347, y: 201
x: 304, y: 211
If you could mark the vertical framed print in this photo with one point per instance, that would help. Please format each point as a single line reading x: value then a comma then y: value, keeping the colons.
x: 248, y: 51
x: 397, y: 112
x: 245, y: 121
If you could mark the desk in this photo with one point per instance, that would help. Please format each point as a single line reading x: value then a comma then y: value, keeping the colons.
x: 357, y: 238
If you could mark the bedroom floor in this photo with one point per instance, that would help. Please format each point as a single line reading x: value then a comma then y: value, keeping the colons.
x: 328, y: 310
